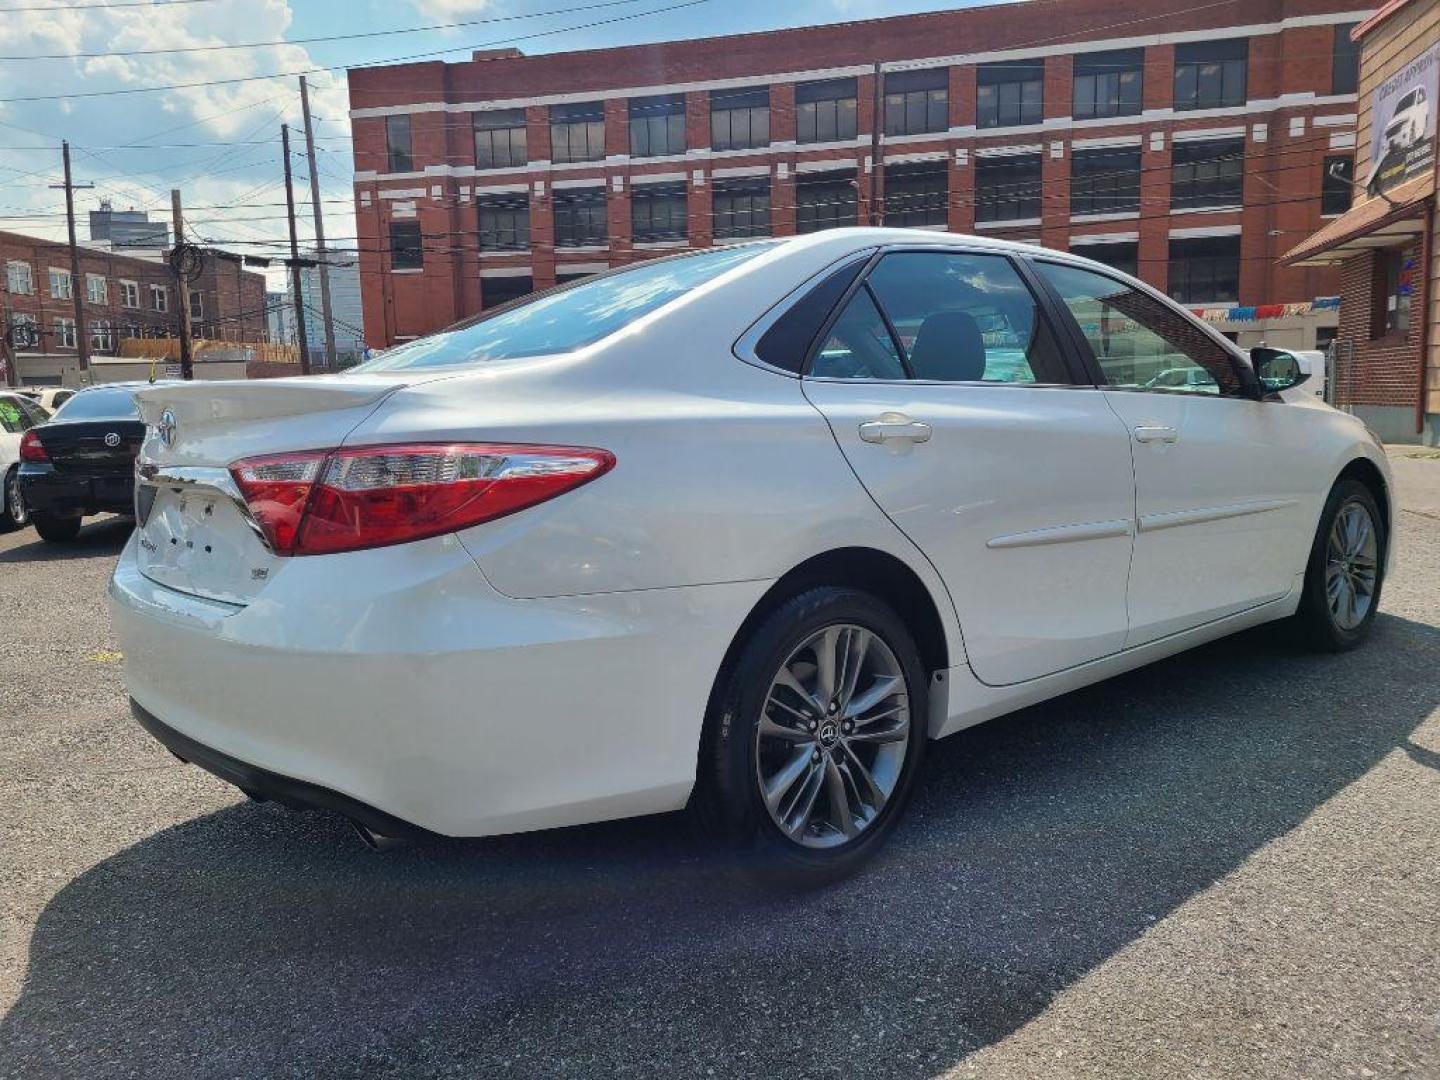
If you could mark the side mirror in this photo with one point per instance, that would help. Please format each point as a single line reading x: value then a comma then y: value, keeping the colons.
x: 1279, y: 370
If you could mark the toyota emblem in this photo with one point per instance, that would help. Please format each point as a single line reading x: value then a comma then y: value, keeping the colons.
x: 166, y: 429
x: 112, y: 439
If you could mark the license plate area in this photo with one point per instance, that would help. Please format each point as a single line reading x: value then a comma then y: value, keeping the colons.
x: 196, y: 540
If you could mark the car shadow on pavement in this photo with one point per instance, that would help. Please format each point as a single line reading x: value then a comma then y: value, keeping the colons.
x: 104, y: 536
x: 260, y: 941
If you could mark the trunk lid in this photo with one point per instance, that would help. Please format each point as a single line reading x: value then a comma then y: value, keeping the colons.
x: 92, y: 447
x: 193, y: 531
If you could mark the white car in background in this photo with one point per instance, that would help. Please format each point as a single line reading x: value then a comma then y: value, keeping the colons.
x: 18, y: 414
x: 742, y: 529
x: 1409, y: 122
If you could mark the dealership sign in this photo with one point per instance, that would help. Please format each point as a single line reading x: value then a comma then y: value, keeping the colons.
x: 1402, y: 123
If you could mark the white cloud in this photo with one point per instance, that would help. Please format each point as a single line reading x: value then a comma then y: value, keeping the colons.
x: 450, y: 10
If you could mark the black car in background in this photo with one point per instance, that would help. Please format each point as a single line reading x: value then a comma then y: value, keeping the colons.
x: 83, y: 461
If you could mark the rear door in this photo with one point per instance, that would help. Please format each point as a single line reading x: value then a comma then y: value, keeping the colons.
x: 1224, y: 507
x: 944, y: 385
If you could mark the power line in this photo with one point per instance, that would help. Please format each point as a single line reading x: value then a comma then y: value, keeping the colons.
x: 90, y: 7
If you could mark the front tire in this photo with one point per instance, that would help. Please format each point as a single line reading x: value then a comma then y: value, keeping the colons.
x: 814, y: 738
x: 56, y: 530
x: 16, y: 515
x: 1345, y: 572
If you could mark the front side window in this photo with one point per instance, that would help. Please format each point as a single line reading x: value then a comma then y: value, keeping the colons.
x: 500, y: 139
x: 60, y: 284
x: 741, y: 207
x: 740, y: 119
x: 406, y: 252
x: 657, y: 125
x: 1010, y: 94
x: 1007, y: 188
x: 825, y: 111
x: 1205, y: 270
x: 942, y: 317
x: 1211, y: 74
x: 580, y: 218
x: 560, y: 321
x: 917, y: 101
x: 1345, y: 61
x: 504, y: 223
x: 1207, y: 174
x: 577, y: 132
x: 19, y: 277
x: 1336, y: 184
x: 917, y: 194
x: 1108, y: 83
x: 824, y: 201
x: 658, y: 212
x: 397, y: 144
x: 1105, y: 181
x: 1138, y: 342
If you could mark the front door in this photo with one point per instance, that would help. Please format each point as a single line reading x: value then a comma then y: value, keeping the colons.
x: 946, y: 389
x: 1223, y: 511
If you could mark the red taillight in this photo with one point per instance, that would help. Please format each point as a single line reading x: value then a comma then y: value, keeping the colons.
x: 31, y: 448
x: 325, y: 501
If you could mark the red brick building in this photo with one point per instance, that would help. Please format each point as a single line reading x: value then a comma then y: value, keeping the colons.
x: 125, y: 296
x: 1188, y: 144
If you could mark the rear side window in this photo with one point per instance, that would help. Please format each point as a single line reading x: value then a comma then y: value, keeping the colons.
x: 100, y: 404
x: 786, y: 344
x: 567, y: 319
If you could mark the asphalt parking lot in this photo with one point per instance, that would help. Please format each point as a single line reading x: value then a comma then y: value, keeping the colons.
x: 1224, y: 865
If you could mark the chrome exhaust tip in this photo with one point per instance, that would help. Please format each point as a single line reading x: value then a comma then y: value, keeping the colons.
x: 371, y: 839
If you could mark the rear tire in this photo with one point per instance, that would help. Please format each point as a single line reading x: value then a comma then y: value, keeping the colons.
x: 56, y: 530
x: 16, y: 516
x: 841, y: 743
x: 1345, y: 572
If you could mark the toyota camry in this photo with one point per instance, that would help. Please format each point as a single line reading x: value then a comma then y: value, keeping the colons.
x: 741, y: 530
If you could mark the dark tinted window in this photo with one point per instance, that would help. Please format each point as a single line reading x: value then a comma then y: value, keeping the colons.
x: 1010, y: 93
x: 102, y: 403
x: 1335, y: 184
x: 787, y: 342
x: 824, y: 200
x: 825, y: 111
x: 1108, y: 83
x: 397, y: 143
x: 1008, y: 188
x: 1205, y: 269
x: 1207, y: 174
x: 1345, y: 61
x: 406, y: 252
x: 1211, y: 74
x: 1105, y: 181
x: 739, y: 119
x: 916, y: 101
x: 917, y: 194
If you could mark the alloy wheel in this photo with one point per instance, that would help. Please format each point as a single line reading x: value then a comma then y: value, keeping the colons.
x: 1351, y: 565
x: 15, y: 502
x: 832, y: 737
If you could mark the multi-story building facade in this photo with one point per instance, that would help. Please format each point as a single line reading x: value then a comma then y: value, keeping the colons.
x: 346, y: 310
x: 125, y: 296
x: 1192, y: 145
x: 127, y: 228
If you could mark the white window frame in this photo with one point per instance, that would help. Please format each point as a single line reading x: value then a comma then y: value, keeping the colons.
x: 64, y: 333
x: 197, y: 305
x: 91, y: 281
x: 20, y: 285
x: 21, y: 318
x: 58, y: 275
x: 102, y: 335
x: 160, y: 298
x: 130, y: 290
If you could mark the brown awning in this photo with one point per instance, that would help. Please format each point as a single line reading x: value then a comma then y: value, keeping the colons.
x: 1375, y: 223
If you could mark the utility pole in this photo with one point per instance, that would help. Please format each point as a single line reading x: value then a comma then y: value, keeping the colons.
x: 295, y: 256
x: 182, y: 287
x: 7, y: 344
x: 77, y: 287
x: 330, y: 361
x: 877, y: 165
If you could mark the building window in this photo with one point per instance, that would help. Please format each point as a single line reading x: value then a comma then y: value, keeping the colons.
x: 19, y: 278
x: 1336, y: 184
x: 500, y: 139
x: 504, y: 223
x: 60, y: 284
x: 825, y: 111
x: 1207, y: 174
x: 1122, y: 255
x: 102, y: 335
x: 130, y: 294
x: 406, y: 251
x: 657, y: 125
x: 1211, y: 74
x: 159, y: 298
x: 1105, y: 181
x: 495, y: 291
x: 742, y: 208
x: 397, y: 143
x: 1007, y: 188
x: 917, y: 101
x: 824, y: 200
x: 657, y: 212
x: 1345, y: 61
x: 1397, y: 281
x: 739, y: 119
x: 917, y: 194
x: 1108, y: 83
x: 24, y: 331
x: 197, y: 305
x: 1010, y: 94
x: 577, y: 132
x: 580, y: 218
x: 65, y: 333
x: 95, y: 291
x: 1205, y: 270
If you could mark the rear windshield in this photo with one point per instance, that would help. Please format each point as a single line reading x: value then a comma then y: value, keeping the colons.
x: 568, y: 319
x: 100, y: 404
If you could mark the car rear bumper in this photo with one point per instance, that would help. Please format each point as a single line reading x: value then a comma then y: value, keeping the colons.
x: 398, y: 681
x: 48, y: 490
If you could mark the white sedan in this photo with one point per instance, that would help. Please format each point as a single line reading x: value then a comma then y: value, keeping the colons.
x: 741, y: 530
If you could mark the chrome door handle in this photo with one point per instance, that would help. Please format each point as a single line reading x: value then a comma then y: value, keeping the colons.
x: 1148, y: 433
x: 894, y: 426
